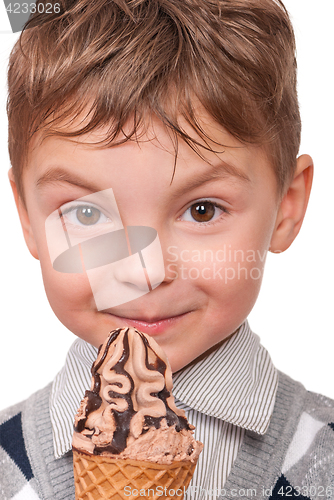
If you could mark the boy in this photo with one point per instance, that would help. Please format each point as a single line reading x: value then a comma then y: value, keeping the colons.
x: 113, y: 128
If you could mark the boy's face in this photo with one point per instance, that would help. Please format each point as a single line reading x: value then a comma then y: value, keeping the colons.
x: 214, y: 221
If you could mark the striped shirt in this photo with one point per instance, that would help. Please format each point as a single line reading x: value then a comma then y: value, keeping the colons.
x: 231, y: 389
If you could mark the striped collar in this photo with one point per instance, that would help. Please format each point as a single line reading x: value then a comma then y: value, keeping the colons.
x: 236, y: 383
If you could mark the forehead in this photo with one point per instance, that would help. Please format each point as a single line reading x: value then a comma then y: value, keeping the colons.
x: 155, y: 150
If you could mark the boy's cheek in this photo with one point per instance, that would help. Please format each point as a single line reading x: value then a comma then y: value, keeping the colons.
x: 72, y: 301
x: 68, y: 294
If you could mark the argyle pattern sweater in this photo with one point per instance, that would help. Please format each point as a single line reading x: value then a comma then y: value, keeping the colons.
x: 294, y: 459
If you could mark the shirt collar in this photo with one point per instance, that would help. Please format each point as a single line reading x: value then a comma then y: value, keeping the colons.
x: 237, y: 382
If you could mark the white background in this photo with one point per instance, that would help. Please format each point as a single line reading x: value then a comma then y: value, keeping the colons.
x: 293, y: 315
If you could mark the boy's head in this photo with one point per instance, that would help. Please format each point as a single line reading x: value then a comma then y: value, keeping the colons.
x: 123, y: 61
x: 187, y: 111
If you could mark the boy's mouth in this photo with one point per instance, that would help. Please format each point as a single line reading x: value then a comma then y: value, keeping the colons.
x: 152, y: 326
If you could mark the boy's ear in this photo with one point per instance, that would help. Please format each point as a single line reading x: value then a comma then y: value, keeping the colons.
x: 293, y: 206
x: 24, y: 217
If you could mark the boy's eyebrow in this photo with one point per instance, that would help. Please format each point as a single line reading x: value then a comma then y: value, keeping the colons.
x: 59, y: 174
x: 217, y: 171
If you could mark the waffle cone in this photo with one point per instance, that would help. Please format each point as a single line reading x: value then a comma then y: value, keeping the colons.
x: 99, y: 477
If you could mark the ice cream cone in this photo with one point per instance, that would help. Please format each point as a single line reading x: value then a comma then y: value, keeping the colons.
x: 99, y: 477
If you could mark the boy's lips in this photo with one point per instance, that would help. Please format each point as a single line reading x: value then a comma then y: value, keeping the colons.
x: 152, y: 326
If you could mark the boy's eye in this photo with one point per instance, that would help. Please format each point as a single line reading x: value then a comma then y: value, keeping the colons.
x: 202, y: 211
x: 88, y: 215
x: 83, y: 215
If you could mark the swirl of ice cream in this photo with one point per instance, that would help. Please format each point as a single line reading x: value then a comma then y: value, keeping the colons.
x: 130, y: 412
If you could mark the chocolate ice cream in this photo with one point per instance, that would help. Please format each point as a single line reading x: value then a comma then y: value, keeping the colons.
x: 129, y: 412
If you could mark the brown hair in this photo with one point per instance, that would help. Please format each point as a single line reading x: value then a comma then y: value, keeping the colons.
x: 118, y: 61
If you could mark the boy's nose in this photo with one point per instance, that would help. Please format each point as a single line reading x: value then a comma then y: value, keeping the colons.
x: 131, y: 272
x: 138, y: 270
x: 143, y: 269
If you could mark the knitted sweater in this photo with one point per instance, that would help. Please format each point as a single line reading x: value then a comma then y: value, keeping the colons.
x: 295, y: 458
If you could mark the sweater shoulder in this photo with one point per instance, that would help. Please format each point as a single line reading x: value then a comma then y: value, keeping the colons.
x: 315, y: 404
x: 11, y: 411
x: 320, y: 406
x: 16, y: 476
x: 308, y: 466
x: 21, y: 406
x: 18, y: 471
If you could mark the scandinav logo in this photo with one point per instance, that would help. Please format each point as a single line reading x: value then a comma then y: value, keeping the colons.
x: 19, y: 11
x: 87, y: 236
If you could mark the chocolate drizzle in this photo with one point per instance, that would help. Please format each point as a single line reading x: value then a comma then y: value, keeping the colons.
x: 171, y: 417
x: 112, y: 337
x: 122, y: 419
x: 94, y: 399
